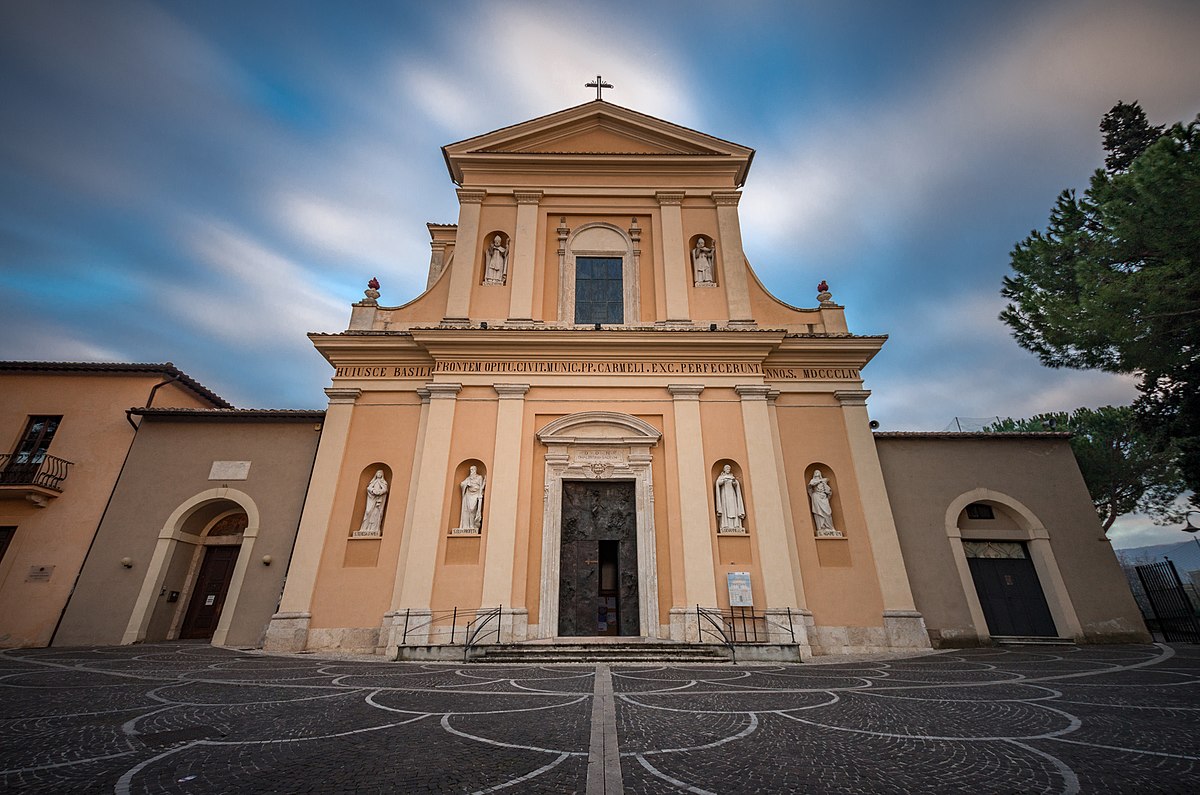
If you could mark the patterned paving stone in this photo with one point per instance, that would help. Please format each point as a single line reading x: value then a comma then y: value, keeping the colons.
x: 190, y: 718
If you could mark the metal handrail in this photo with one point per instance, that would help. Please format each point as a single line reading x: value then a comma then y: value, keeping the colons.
x: 719, y: 629
x: 477, y: 629
x: 472, y: 631
x: 49, y: 472
x: 725, y: 624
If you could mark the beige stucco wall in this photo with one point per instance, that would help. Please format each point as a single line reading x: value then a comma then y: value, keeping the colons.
x: 925, y: 476
x: 95, y: 437
x: 169, y: 464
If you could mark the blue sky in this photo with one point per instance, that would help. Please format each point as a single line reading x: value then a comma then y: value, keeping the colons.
x: 205, y: 182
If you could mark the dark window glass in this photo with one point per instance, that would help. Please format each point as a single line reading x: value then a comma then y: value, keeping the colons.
x: 599, y: 297
x: 36, y: 440
x: 6, y: 534
x: 980, y: 510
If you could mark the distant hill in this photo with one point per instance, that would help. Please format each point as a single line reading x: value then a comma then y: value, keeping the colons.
x: 1184, y: 554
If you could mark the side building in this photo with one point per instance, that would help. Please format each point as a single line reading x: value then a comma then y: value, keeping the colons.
x: 198, y: 536
x: 65, y: 435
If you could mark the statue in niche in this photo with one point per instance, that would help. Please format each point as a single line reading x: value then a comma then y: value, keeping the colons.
x: 819, y: 492
x: 496, y: 263
x: 372, y: 519
x: 702, y: 262
x: 731, y: 509
x: 471, y: 520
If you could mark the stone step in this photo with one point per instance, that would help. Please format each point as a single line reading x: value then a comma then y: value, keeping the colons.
x: 633, y: 652
x: 1031, y: 640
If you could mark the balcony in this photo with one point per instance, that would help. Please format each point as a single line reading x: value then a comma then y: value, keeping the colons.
x: 36, y: 481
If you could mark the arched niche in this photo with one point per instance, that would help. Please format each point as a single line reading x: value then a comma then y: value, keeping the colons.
x: 735, y: 469
x: 709, y: 241
x: 461, y: 472
x: 604, y: 445
x: 599, y: 239
x: 835, y: 501
x: 506, y: 244
x: 360, y: 499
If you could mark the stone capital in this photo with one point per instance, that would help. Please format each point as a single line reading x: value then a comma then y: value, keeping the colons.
x: 669, y: 197
x: 423, y: 393
x: 852, y: 397
x: 752, y: 391
x: 466, y: 196
x: 511, y: 391
x: 726, y: 199
x: 439, y: 391
x: 342, y: 394
x: 685, y: 391
x: 772, y: 396
x: 527, y: 196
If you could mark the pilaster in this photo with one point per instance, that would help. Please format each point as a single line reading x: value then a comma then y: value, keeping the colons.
x: 500, y: 548
x: 775, y: 559
x: 462, y: 273
x: 733, y: 258
x: 786, y: 492
x: 289, y: 626
x: 390, y: 630
x: 418, y: 547
x: 877, y: 510
x: 699, y: 582
x: 676, y: 271
x: 521, y: 265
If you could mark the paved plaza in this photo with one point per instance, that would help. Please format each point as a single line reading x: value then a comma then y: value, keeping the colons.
x: 193, y: 718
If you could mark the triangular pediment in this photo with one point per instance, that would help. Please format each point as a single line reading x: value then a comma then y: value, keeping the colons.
x: 596, y: 129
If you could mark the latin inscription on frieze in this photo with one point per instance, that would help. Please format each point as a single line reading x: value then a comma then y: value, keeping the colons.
x: 524, y: 366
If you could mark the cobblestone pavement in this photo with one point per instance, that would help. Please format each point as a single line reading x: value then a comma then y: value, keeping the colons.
x: 193, y: 718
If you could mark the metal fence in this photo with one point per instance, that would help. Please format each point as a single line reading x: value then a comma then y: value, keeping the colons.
x: 1172, y: 613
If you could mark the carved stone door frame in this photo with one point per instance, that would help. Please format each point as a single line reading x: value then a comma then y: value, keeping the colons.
x: 599, y: 445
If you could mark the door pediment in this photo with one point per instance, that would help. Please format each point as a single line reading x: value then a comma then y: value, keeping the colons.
x: 599, y: 428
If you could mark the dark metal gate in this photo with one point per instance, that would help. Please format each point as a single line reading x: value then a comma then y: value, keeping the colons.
x: 1173, y: 611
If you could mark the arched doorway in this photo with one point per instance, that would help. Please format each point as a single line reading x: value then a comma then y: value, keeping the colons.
x: 1009, y: 574
x: 220, y: 525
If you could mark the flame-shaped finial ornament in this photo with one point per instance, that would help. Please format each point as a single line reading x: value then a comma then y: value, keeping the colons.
x: 823, y: 294
x: 372, y: 291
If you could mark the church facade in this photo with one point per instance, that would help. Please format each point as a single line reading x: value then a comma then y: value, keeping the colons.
x: 598, y: 421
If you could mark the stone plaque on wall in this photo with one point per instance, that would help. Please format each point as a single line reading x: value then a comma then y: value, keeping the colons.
x: 229, y: 470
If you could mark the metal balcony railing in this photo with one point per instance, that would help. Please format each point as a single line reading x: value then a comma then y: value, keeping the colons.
x: 49, y: 472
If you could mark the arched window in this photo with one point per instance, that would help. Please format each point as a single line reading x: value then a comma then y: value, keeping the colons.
x: 598, y: 278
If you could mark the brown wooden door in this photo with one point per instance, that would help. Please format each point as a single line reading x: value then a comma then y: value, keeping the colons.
x: 208, y: 597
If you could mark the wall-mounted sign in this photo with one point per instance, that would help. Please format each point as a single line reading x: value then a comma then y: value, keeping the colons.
x: 739, y: 589
x: 39, y: 574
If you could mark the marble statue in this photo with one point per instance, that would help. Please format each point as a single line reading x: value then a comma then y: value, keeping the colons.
x: 819, y: 492
x: 731, y: 510
x: 496, y: 264
x: 377, y: 491
x: 702, y: 262
x: 472, y: 487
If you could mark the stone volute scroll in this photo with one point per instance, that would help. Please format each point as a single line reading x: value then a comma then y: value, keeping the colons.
x: 820, y: 494
x: 372, y: 521
x: 731, y: 508
x: 471, y: 517
x: 703, y: 259
x: 495, y: 261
